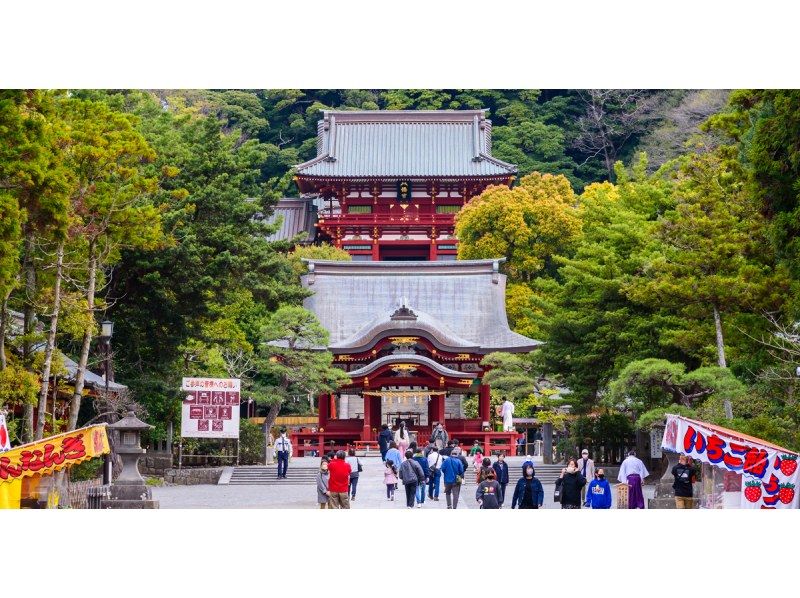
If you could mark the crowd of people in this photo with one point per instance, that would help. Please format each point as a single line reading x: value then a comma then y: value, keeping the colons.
x: 443, y: 465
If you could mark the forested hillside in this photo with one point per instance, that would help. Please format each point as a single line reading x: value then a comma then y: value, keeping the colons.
x: 658, y: 255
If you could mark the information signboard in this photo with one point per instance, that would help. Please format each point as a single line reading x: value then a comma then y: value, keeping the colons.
x: 210, y: 408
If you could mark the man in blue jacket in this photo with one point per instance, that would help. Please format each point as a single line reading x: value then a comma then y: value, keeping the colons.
x: 598, y: 496
x: 384, y: 438
x: 453, y: 476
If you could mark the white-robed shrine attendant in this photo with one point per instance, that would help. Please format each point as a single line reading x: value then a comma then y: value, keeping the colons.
x: 633, y: 472
x: 507, y: 411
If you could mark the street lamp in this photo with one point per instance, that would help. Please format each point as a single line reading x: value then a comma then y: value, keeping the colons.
x: 106, y: 332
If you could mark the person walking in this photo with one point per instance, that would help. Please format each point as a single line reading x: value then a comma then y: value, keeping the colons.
x: 453, y: 476
x: 420, y: 458
x: 477, y: 461
x: 402, y: 439
x: 355, y: 469
x: 571, y: 484
x: 633, y: 472
x: 435, y: 476
x: 339, y: 483
x: 476, y: 448
x: 390, y: 478
x: 439, y: 437
x: 528, y: 493
x: 394, y: 454
x: 323, y: 476
x: 447, y: 450
x: 384, y: 438
x: 412, y: 476
x: 488, y: 492
x: 483, y: 472
x: 283, y: 450
x: 586, y: 467
x: 501, y: 472
x: 684, y: 478
x: 598, y: 496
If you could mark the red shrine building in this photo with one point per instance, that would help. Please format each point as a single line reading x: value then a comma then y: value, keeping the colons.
x: 407, y: 322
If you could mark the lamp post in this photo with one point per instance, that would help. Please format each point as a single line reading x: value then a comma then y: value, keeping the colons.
x: 106, y: 332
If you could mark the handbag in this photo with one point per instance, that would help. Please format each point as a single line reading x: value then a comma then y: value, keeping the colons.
x: 459, y: 480
x: 557, y: 493
x: 360, y: 468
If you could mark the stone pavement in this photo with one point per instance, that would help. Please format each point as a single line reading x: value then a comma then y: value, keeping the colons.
x: 371, y: 492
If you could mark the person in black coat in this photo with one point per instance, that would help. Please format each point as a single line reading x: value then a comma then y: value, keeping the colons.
x: 571, y: 484
x: 501, y: 471
x: 384, y: 438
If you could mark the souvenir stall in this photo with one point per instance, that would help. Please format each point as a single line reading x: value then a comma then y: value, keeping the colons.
x: 25, y: 470
x: 737, y: 471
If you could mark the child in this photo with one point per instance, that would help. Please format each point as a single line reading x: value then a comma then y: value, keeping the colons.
x: 390, y: 479
x: 477, y: 461
x: 483, y: 472
x: 488, y: 492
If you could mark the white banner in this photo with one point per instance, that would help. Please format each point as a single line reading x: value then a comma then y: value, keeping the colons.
x: 768, y: 475
x: 210, y: 408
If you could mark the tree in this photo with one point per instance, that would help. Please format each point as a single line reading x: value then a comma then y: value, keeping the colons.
x: 709, y: 253
x: 297, y: 363
x: 612, y: 118
x: 592, y: 328
x: 527, y: 224
x: 110, y: 202
x: 31, y: 172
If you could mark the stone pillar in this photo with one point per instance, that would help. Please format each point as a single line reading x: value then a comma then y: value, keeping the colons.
x: 484, y: 406
x: 344, y: 406
x: 547, y: 443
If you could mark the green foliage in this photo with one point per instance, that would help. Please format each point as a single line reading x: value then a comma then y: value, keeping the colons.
x: 251, y: 443
x: 90, y: 469
x: 527, y: 224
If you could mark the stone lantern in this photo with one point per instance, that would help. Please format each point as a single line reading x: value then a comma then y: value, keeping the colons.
x: 129, y: 490
x: 664, y: 497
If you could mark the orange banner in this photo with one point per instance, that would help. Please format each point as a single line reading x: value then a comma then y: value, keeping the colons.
x: 49, y: 455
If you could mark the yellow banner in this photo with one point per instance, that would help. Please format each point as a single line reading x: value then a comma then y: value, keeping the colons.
x: 46, y: 456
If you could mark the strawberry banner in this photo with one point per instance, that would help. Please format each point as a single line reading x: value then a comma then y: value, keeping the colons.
x: 769, y: 473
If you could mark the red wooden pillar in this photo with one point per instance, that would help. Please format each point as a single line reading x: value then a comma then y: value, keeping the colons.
x: 434, y: 251
x: 324, y: 409
x: 365, y: 433
x: 440, y: 401
x: 376, y: 254
x: 483, y: 403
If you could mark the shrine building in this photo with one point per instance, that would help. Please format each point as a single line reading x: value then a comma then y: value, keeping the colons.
x: 407, y: 322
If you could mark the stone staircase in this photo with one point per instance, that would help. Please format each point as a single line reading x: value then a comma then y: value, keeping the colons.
x: 260, y: 475
x: 268, y: 476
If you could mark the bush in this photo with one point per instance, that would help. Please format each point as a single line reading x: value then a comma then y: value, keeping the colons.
x: 251, y: 443
x: 88, y: 470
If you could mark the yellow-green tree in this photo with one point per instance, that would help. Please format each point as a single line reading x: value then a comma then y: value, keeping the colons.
x: 527, y: 224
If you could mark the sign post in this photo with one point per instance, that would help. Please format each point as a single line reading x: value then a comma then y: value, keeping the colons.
x: 210, y: 409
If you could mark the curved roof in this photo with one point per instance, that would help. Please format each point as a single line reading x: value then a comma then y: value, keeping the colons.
x: 418, y: 359
x: 385, y: 324
x: 463, y: 300
x: 405, y: 143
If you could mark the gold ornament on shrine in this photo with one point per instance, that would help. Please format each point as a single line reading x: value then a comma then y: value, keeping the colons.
x: 404, y: 368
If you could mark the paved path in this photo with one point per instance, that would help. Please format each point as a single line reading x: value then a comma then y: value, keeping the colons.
x: 371, y: 493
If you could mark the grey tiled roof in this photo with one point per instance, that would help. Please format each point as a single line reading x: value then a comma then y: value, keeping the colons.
x: 405, y: 143
x: 464, y: 299
x: 298, y: 216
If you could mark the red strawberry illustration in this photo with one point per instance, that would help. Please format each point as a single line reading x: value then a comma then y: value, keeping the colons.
x: 753, y: 491
x: 788, y: 464
x: 772, y: 487
x: 786, y: 494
